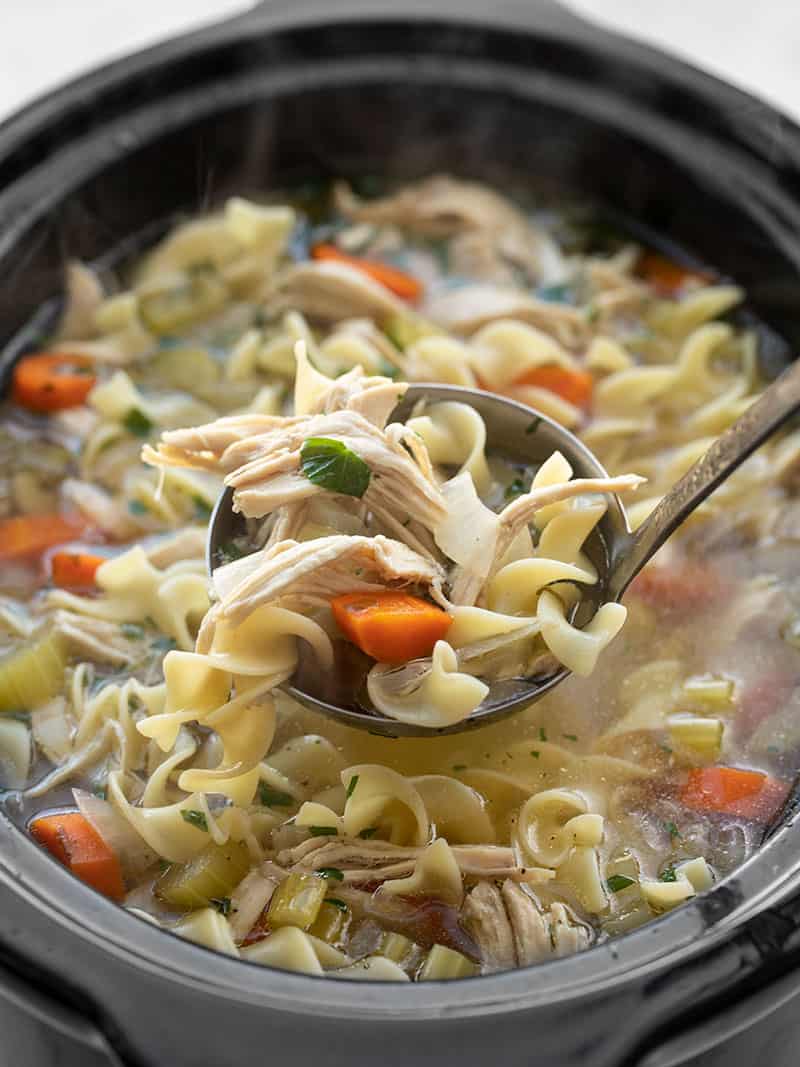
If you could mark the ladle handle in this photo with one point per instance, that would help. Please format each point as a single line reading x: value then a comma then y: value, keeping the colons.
x: 777, y: 404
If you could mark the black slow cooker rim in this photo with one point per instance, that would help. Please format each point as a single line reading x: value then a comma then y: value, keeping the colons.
x: 687, y: 932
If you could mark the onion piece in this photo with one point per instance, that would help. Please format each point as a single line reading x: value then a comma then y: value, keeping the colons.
x: 133, y: 853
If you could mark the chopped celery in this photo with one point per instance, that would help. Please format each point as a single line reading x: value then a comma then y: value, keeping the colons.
x: 297, y: 901
x: 445, y: 963
x: 198, y: 295
x: 189, y: 369
x: 702, y: 735
x: 404, y: 328
x: 710, y: 690
x: 330, y: 923
x: 212, y: 875
x: 33, y: 674
x: 396, y: 948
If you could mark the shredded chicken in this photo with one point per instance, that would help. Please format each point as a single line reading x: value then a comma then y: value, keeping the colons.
x: 441, y: 206
x: 313, y: 572
x: 371, y: 861
x: 333, y: 292
x: 84, y: 296
x: 513, y: 929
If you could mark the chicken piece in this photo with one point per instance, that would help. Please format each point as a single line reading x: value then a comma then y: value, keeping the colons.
x: 84, y: 295
x: 186, y: 544
x: 566, y: 936
x: 313, y: 573
x: 466, y: 309
x: 441, y: 206
x: 529, y: 925
x: 332, y: 292
x: 486, y: 919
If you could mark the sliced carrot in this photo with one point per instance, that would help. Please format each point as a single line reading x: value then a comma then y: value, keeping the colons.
x: 74, y: 842
x: 574, y: 386
x: 665, y: 275
x: 28, y: 536
x: 75, y: 570
x: 52, y: 381
x: 733, y: 791
x: 390, y: 627
x: 400, y: 283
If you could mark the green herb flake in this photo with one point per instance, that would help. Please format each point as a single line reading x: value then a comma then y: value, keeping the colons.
x: 459, y: 767
x: 617, y: 882
x: 570, y: 737
x: 368, y: 832
x: 195, y: 818
x: 514, y: 489
x: 331, y: 465
x: 274, y: 798
x: 100, y: 791
x: 542, y: 734
x: 351, y: 786
x: 340, y: 904
x: 323, y: 831
x: 18, y: 716
x: 668, y: 875
x: 137, y: 423
x: 673, y: 831
x: 132, y: 630
x: 534, y: 425
x: 202, y: 508
x: 228, y: 552
x: 165, y: 644
x: 333, y: 874
x: 136, y: 507
x: 222, y: 904
x: 535, y: 753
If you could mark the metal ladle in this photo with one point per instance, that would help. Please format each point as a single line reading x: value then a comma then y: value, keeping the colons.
x: 521, y: 435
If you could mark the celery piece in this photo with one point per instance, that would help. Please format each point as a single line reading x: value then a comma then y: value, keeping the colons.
x: 702, y: 735
x: 212, y: 875
x: 297, y: 901
x: 396, y: 948
x: 406, y: 327
x: 711, y: 691
x: 446, y: 963
x: 198, y: 295
x: 189, y: 369
x: 32, y: 674
x: 330, y: 923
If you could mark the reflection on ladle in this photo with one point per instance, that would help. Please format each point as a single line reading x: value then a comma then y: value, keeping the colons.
x: 617, y: 554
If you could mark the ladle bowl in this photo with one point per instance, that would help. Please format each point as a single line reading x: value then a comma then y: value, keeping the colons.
x: 522, y: 435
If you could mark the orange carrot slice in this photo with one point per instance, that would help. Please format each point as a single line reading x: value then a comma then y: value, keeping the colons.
x: 51, y: 381
x: 390, y: 627
x: 74, y: 842
x: 400, y: 283
x: 734, y: 791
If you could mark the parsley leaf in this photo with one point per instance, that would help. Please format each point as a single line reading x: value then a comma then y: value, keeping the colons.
x: 351, y: 788
x: 534, y: 425
x: 333, y: 874
x: 331, y: 465
x: 137, y: 423
x: 617, y: 882
x: 132, y: 630
x: 323, y: 831
x: 668, y: 875
x: 195, y: 818
x: 136, y: 507
x: 368, y: 832
x: 673, y: 831
x: 222, y: 904
x: 542, y: 734
x: 274, y: 798
x: 514, y: 489
x: 340, y: 904
x: 570, y: 737
x: 535, y: 753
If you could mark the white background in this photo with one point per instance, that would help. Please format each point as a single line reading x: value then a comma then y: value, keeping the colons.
x: 754, y: 44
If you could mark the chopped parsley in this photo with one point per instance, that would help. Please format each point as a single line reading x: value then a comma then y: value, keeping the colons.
x: 165, y: 644
x: 333, y: 874
x: 459, y: 767
x: 535, y: 753
x: 351, y: 787
x: 668, y: 875
x: 514, y: 489
x: 100, y: 791
x: 555, y: 294
x: 534, y: 425
x: 274, y: 798
x: 617, y: 882
x: 222, y: 904
x: 228, y: 552
x: 570, y: 737
x: 136, y: 507
x: 542, y: 734
x: 323, y: 831
x: 673, y: 831
x: 195, y: 818
x: 137, y: 423
x: 368, y: 832
x: 331, y: 465
x: 132, y: 630
x: 202, y: 508
x: 340, y: 904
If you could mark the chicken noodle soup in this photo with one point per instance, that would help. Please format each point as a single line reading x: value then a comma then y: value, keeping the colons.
x: 144, y: 737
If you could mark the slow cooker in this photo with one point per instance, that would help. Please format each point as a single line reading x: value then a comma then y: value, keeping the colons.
x: 505, y: 92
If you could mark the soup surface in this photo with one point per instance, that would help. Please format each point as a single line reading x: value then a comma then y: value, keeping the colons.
x: 144, y: 739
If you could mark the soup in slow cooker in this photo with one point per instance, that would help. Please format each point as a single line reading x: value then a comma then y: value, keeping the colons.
x: 145, y: 739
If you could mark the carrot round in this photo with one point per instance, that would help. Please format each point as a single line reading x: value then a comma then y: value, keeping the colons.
x: 733, y: 791
x: 51, y: 381
x: 574, y: 386
x: 682, y: 587
x: 390, y: 627
x: 28, y: 536
x: 74, y: 570
x: 74, y: 842
x: 665, y: 275
x: 400, y: 283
